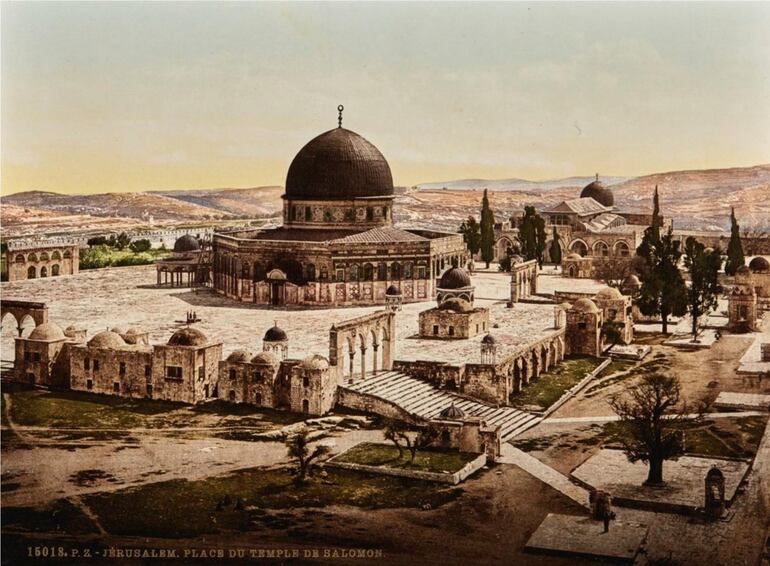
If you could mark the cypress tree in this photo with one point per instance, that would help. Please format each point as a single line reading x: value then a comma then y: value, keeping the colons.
x: 532, y: 235
x: 471, y: 235
x: 704, y: 283
x: 487, y: 231
x: 735, y: 258
x: 555, y: 250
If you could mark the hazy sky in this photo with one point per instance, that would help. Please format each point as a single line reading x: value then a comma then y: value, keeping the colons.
x: 127, y: 96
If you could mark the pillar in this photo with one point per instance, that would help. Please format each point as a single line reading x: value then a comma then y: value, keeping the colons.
x: 375, y: 346
x: 352, y: 363
x: 363, y: 362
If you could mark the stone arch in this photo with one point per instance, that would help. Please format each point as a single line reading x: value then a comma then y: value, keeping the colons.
x: 310, y: 272
x: 395, y: 271
x: 622, y: 248
x: 67, y: 254
x: 44, y: 256
x: 535, y: 363
x: 31, y: 272
x: 44, y: 271
x: 579, y: 247
x: 32, y: 257
x: 601, y: 249
x: 56, y: 256
x: 368, y: 272
x: 20, y: 258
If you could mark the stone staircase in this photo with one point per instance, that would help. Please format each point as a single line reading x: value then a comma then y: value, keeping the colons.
x: 423, y: 400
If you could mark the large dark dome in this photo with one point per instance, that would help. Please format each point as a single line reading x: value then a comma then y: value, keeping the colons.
x: 597, y: 191
x: 186, y: 243
x: 339, y: 164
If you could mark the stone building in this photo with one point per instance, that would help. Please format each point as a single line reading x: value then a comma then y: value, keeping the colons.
x: 523, y: 278
x: 185, y: 369
x: 742, y: 311
x: 337, y: 245
x: 466, y: 433
x: 38, y: 361
x: 32, y: 259
x: 109, y: 365
x: 454, y: 317
x: 259, y: 380
x: 617, y: 308
x: 313, y: 386
x: 583, y: 331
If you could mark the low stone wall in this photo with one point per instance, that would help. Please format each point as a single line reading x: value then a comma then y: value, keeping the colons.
x: 454, y: 478
x: 569, y: 393
x: 373, y: 404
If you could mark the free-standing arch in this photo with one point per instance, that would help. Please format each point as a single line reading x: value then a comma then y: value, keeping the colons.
x: 365, y: 335
x: 38, y: 312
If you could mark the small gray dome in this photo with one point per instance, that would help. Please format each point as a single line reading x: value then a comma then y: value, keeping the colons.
x: 392, y: 290
x: 186, y: 243
x: 47, y: 331
x: 488, y: 339
x: 585, y: 305
x: 107, y: 339
x: 452, y: 412
x: 188, y: 337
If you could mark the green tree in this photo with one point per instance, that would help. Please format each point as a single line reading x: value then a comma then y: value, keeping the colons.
x: 471, y: 232
x: 487, y: 231
x: 735, y: 257
x: 96, y: 241
x: 652, y: 421
x: 704, y: 289
x: 663, y: 291
x: 531, y: 235
x: 139, y: 246
x: 122, y: 241
x: 299, y: 449
x: 555, y: 249
x: 652, y: 233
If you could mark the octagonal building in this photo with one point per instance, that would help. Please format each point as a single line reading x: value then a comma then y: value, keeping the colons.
x: 337, y: 245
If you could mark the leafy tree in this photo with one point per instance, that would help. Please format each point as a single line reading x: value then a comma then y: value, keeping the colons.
x: 612, y: 270
x: 506, y: 262
x: 612, y: 331
x: 487, y: 231
x: 139, y: 246
x: 471, y: 231
x: 122, y: 241
x: 704, y: 280
x: 531, y: 235
x: 754, y: 239
x: 555, y: 249
x: 651, y: 423
x: 299, y: 449
x: 96, y: 241
x: 735, y: 258
x: 663, y: 291
x: 396, y: 432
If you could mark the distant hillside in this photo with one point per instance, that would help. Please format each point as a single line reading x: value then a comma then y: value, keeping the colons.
x: 517, y: 184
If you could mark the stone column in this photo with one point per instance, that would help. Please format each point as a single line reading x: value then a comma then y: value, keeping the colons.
x: 352, y: 363
x: 363, y: 362
x: 374, y: 363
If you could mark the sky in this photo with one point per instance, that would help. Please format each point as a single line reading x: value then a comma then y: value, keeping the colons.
x: 105, y: 97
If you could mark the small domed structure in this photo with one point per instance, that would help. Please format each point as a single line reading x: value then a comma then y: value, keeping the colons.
x: 392, y: 290
x: 452, y: 412
x: 48, y: 331
x: 315, y: 362
x: 585, y: 305
x: 188, y: 337
x: 597, y: 191
x: 609, y: 293
x: 457, y: 305
x: 118, y: 330
x: 759, y: 265
x: 186, y: 243
x: 574, y: 255
x: 265, y: 358
x: 275, y: 334
x: 239, y: 356
x: 107, y: 339
x: 631, y: 281
x: 455, y: 278
x: 488, y: 339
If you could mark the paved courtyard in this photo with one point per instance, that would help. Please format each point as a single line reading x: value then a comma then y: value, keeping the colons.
x: 610, y: 470
x: 126, y: 296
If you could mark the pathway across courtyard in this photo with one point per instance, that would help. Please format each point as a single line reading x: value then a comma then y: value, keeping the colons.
x: 426, y: 401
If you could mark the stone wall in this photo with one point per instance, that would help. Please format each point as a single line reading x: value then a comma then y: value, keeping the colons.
x: 200, y: 372
x: 39, y: 362
x: 33, y: 263
x: 445, y: 323
x: 125, y: 372
x: 374, y: 405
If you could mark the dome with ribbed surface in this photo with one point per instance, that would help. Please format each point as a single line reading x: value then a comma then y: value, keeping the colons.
x: 47, y: 331
x: 597, y: 191
x: 339, y: 164
x: 759, y: 264
x: 188, y: 337
x: 455, y: 278
x: 186, y: 243
x: 107, y: 339
x: 452, y: 412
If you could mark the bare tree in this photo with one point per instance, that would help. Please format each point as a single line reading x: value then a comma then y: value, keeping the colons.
x: 613, y: 270
x: 752, y: 240
x: 395, y: 431
x: 299, y: 449
x: 652, y: 422
x: 422, y: 439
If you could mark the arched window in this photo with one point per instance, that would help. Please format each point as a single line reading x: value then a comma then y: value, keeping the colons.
x: 31, y: 272
x: 67, y: 254
x: 56, y: 255
x: 55, y: 270
x: 579, y: 248
x: 382, y: 271
x: 395, y: 270
x: 368, y: 272
x: 310, y: 272
x: 44, y: 256
x: 20, y: 258
x: 354, y: 275
x: 32, y: 257
x: 622, y: 249
x: 601, y: 249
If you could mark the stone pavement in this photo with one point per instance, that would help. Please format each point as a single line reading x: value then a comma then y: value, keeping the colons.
x: 730, y: 400
x: 420, y: 398
x: 546, y: 474
x: 610, y: 471
x: 613, y: 418
x: 583, y: 536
